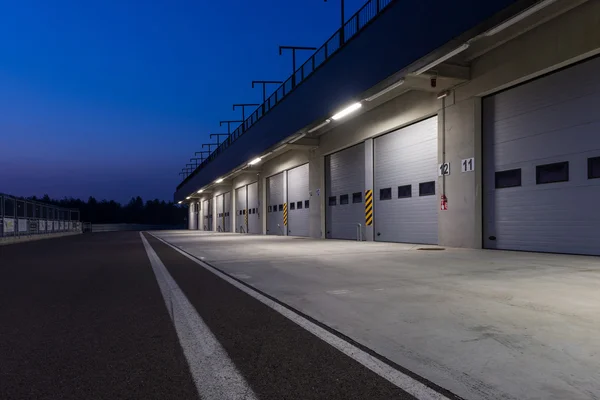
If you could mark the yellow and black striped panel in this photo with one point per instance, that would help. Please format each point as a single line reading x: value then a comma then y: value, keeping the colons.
x: 369, y: 207
x: 246, y: 217
x: 285, y: 214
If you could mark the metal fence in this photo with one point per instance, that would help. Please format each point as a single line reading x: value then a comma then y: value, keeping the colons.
x: 19, y: 217
x: 351, y: 28
x: 131, y: 227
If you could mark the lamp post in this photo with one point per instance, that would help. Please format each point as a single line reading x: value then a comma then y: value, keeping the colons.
x: 294, y: 49
x: 218, y: 136
x: 342, y: 6
x: 264, y: 87
x: 229, y: 124
x: 243, y: 106
x: 209, y: 144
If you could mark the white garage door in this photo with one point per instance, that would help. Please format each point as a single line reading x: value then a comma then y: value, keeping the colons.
x: 208, y: 213
x: 344, y: 192
x: 405, y: 172
x: 298, y: 201
x: 220, y: 213
x: 275, y: 201
x: 253, y: 209
x: 227, y: 212
x: 240, y: 210
x: 541, y: 160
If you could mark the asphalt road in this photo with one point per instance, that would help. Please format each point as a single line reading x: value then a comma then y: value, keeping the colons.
x: 84, y: 318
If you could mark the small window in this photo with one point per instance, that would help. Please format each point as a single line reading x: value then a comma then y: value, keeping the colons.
x: 509, y: 178
x: 550, y: 173
x: 356, y: 197
x: 332, y: 200
x: 240, y: 212
x: 292, y: 206
x: 594, y: 168
x: 299, y: 205
x: 344, y: 199
x: 281, y: 207
x: 269, y: 208
x: 404, y: 191
x: 385, y: 194
x: 243, y: 212
x: 306, y: 203
x: 427, y: 188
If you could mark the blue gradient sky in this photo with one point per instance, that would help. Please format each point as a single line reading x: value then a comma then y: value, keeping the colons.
x: 111, y: 98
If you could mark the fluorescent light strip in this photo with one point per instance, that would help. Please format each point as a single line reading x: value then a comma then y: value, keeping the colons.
x: 384, y: 91
x: 519, y: 17
x: 442, y: 59
x: 255, y: 161
x: 322, y: 124
x: 348, y: 110
x: 219, y: 180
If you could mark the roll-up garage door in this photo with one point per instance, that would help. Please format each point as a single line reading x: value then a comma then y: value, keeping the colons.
x: 227, y: 212
x: 344, y: 192
x: 298, y: 201
x: 541, y: 164
x: 220, y: 213
x: 191, y: 215
x: 253, y: 209
x: 207, y: 210
x: 240, y: 210
x: 275, y: 200
x: 405, y: 172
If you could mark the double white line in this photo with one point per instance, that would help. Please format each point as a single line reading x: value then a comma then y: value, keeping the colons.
x: 215, y: 374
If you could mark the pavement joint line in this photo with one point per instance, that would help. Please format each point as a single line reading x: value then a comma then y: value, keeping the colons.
x: 215, y: 375
x: 406, y: 380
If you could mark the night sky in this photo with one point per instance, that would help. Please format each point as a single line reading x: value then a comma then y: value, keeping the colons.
x: 111, y: 98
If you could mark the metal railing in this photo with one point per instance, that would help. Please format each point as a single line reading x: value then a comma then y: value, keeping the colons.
x: 21, y: 218
x: 352, y: 27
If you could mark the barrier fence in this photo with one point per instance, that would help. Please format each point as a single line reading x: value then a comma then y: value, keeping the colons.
x: 20, y: 218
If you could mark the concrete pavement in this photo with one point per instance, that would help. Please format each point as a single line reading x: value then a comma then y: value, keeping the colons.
x: 483, y: 324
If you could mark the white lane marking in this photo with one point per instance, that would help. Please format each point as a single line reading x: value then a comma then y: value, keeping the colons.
x: 341, y: 291
x: 215, y: 375
x: 403, y: 381
x: 378, y: 290
x: 241, y: 276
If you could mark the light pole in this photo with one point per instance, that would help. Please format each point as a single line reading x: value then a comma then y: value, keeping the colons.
x: 218, y: 135
x: 342, y: 6
x: 209, y: 144
x: 229, y: 124
x: 294, y: 49
x: 243, y: 106
x: 264, y: 87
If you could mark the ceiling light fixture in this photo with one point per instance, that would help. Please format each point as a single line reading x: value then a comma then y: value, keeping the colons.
x: 200, y: 191
x: 442, y: 59
x: 219, y: 180
x: 519, y: 17
x: 348, y: 110
x: 384, y: 91
x: 255, y: 161
x: 322, y: 124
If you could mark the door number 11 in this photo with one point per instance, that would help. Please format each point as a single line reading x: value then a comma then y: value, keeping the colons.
x: 467, y: 165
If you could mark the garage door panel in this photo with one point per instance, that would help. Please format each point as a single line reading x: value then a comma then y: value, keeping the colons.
x: 254, y: 210
x: 545, y: 92
x: 406, y: 157
x: 298, y: 218
x: 557, y: 216
x: 345, y: 175
x: 275, y: 198
x: 240, y: 210
x: 227, y: 212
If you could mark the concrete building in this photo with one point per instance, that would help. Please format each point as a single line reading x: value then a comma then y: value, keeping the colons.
x: 474, y: 124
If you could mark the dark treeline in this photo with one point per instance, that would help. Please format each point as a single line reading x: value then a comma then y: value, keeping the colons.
x: 154, y: 212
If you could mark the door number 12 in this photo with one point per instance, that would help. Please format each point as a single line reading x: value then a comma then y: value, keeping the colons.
x: 467, y: 165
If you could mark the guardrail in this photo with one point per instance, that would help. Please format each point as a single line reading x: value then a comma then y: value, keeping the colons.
x: 130, y: 227
x: 351, y: 28
x: 22, y: 218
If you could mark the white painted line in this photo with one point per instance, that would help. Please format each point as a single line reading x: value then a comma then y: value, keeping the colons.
x: 214, y: 374
x: 241, y: 276
x: 403, y: 381
x: 341, y: 291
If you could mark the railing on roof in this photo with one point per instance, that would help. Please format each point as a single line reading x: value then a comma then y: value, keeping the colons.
x: 354, y: 25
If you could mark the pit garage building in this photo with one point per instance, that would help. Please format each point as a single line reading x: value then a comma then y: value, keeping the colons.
x: 460, y: 123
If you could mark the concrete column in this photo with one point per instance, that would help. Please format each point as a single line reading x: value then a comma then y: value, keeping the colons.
x: 200, y: 216
x: 316, y: 187
x: 191, y: 216
x: 459, y: 138
x: 214, y: 213
x: 233, y: 218
x: 284, y: 228
x: 368, y: 230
